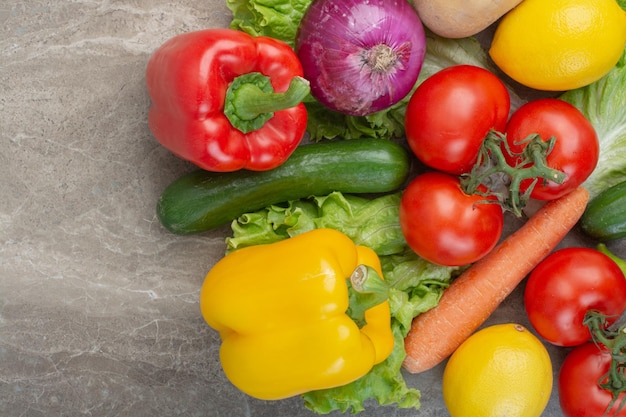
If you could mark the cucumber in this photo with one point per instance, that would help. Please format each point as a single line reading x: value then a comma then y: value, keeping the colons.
x: 201, y: 200
x: 605, y: 216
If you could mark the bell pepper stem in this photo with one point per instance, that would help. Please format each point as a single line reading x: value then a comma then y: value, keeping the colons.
x: 251, y: 100
x: 366, y: 290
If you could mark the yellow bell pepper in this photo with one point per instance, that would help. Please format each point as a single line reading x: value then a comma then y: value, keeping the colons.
x: 290, y: 318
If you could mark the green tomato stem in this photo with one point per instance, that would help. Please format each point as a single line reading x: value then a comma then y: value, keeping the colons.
x: 614, y: 341
x: 532, y: 166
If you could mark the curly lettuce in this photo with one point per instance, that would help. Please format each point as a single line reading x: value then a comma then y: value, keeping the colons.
x: 604, y: 104
x: 416, y: 285
x: 372, y: 223
x: 277, y: 19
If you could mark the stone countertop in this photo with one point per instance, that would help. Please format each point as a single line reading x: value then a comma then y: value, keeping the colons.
x: 99, y: 307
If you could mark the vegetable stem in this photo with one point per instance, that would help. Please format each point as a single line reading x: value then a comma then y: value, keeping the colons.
x: 614, y: 341
x: 251, y: 100
x: 532, y: 165
x: 366, y: 290
x: 614, y: 380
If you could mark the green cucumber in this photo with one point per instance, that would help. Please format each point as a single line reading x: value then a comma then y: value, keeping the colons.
x: 605, y: 216
x: 201, y: 200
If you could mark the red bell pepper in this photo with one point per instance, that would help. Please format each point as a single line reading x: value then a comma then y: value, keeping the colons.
x: 225, y: 100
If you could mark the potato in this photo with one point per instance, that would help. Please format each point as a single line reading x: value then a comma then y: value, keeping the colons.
x: 461, y: 18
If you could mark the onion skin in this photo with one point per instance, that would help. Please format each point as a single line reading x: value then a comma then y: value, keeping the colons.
x: 360, y: 56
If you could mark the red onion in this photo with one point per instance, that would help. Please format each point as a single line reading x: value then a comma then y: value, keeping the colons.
x: 360, y: 56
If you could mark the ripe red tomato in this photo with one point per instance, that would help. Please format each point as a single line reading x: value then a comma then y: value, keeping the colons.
x: 451, y: 112
x: 444, y: 225
x: 576, y: 149
x: 579, y: 392
x: 567, y: 284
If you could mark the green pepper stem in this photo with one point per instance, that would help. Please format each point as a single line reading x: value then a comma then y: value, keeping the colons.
x: 251, y: 100
x: 532, y: 165
x: 366, y: 290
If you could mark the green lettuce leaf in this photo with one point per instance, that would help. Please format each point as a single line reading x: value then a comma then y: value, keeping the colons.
x: 415, y: 284
x: 372, y: 223
x: 280, y: 19
x: 604, y: 104
x: 277, y: 19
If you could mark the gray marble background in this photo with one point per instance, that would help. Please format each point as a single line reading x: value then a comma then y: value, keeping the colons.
x: 98, y: 304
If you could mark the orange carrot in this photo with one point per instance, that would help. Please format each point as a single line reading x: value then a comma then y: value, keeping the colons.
x: 477, y: 292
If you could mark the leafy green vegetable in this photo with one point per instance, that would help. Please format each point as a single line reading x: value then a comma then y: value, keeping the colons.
x: 324, y: 123
x: 280, y: 19
x: 604, y: 104
x: 372, y: 223
x: 277, y: 19
x: 416, y: 285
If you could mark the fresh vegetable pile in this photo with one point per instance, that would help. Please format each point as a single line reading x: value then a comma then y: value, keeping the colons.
x: 366, y: 154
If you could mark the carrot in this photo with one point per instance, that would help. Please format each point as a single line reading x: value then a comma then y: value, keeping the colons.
x: 477, y: 292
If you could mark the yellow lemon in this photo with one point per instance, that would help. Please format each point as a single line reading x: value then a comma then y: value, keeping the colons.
x: 501, y: 370
x: 559, y: 45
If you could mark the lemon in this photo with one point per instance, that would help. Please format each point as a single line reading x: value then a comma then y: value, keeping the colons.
x: 559, y: 45
x: 501, y: 370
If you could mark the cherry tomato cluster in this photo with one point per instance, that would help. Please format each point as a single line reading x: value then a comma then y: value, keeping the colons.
x: 563, y: 293
x: 447, y: 120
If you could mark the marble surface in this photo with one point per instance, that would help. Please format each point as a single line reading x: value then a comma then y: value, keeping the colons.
x: 98, y: 303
